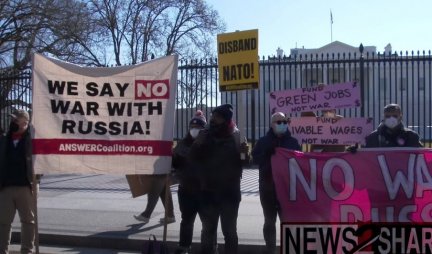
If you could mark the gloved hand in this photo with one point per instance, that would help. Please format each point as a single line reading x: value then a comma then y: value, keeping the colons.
x: 202, y: 137
x: 270, y: 151
x: 353, y: 149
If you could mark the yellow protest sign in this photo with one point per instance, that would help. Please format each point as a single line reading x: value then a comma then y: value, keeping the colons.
x: 238, y: 60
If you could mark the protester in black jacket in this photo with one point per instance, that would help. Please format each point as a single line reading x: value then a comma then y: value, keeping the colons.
x: 391, y: 132
x: 189, y: 190
x: 277, y: 136
x: 16, y: 179
x: 217, y: 151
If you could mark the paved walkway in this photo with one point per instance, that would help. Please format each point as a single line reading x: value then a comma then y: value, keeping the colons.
x: 97, y: 211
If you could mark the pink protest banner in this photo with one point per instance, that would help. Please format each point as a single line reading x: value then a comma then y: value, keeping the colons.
x: 342, y: 95
x: 378, y: 185
x: 331, y: 131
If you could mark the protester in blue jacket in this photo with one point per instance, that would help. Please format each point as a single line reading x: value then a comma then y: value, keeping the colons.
x: 277, y: 136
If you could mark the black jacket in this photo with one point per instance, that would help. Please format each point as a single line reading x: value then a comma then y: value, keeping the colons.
x: 263, y: 149
x: 186, y: 171
x: 28, y: 156
x: 219, y: 162
x: 399, y: 137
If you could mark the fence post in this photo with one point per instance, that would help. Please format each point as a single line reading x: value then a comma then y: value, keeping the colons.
x: 362, y: 83
x: 253, y: 123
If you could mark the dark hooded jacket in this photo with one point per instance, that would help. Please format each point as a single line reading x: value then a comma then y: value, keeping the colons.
x: 263, y: 151
x: 186, y: 171
x: 219, y: 161
x: 399, y: 137
x: 16, y: 166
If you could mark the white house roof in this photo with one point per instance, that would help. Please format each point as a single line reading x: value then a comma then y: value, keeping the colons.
x: 334, y: 47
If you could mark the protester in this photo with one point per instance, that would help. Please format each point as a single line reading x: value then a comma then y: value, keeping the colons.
x: 189, y: 190
x: 392, y: 132
x: 16, y: 179
x: 158, y: 190
x: 331, y: 113
x: 217, y: 151
x: 277, y: 136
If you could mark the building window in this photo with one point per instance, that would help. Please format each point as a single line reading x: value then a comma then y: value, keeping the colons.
x: 267, y: 85
x: 313, y: 82
x: 403, y: 84
x: 287, y: 84
x: 382, y: 84
x: 421, y: 84
x: 336, y: 75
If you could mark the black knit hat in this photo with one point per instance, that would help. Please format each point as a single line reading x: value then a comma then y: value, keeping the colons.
x: 225, y: 110
x: 198, y: 119
x: 392, y: 107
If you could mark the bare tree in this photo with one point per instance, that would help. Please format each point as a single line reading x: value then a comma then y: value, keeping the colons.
x: 160, y: 27
x: 91, y: 32
x: 145, y: 28
x: 62, y: 28
x: 115, y: 17
x: 138, y: 29
x: 192, y: 25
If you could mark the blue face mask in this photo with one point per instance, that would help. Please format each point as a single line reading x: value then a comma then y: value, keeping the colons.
x: 281, y: 128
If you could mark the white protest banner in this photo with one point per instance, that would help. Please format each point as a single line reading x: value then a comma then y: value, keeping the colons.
x: 115, y: 120
x: 330, y: 131
x: 334, y: 96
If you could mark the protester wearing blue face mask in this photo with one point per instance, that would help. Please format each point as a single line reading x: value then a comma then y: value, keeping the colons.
x: 392, y: 132
x: 278, y: 136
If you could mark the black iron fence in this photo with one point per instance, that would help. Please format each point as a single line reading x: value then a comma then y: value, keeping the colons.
x: 404, y: 78
x: 15, y: 93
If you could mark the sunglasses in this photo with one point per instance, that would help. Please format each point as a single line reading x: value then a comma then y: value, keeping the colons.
x: 388, y: 116
x: 281, y: 122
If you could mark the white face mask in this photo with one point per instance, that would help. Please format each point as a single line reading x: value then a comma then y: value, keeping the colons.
x: 391, y: 122
x: 194, y: 132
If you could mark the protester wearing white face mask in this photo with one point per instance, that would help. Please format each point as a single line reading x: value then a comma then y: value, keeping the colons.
x: 189, y: 192
x: 278, y: 136
x: 391, y: 132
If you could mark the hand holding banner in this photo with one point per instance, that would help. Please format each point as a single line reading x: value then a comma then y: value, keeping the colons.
x: 385, y: 185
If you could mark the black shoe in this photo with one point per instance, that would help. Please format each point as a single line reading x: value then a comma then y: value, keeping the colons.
x: 183, y: 250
